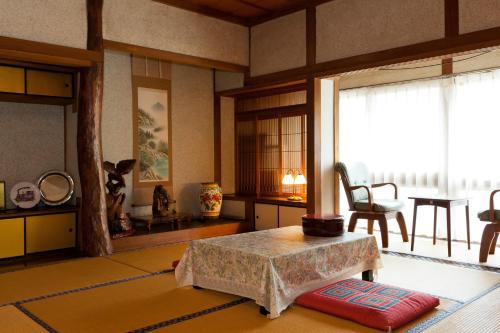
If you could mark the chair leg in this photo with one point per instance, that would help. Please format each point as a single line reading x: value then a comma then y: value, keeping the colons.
x: 402, y: 226
x: 370, y: 227
x: 486, y: 240
x: 352, y: 222
x: 384, y: 231
x: 493, y: 244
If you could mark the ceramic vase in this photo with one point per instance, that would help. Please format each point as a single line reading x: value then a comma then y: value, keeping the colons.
x: 210, y: 200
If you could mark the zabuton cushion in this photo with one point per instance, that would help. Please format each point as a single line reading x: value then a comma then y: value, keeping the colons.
x: 368, y: 303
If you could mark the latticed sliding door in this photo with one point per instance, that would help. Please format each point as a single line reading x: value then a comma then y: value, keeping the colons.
x: 246, y: 156
x: 269, y: 171
x: 293, y: 149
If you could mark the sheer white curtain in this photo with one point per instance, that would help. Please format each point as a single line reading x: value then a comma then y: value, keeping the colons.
x: 429, y: 137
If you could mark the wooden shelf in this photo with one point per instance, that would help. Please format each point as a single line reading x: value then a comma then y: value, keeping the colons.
x: 184, y: 231
x: 13, y: 213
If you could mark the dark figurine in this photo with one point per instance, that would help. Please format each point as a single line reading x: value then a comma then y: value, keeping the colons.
x: 118, y: 221
x: 160, y: 201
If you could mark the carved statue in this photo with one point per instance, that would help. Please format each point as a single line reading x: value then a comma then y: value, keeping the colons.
x: 161, y: 200
x: 118, y: 221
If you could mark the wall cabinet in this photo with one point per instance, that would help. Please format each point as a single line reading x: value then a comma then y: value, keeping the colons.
x: 26, y: 82
x: 11, y: 237
x: 268, y: 216
x: 50, y: 232
x: 32, y: 231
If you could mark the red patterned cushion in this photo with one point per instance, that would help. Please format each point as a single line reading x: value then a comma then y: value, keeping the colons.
x: 368, y: 303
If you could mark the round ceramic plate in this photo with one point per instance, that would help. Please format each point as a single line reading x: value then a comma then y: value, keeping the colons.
x: 25, y: 195
x: 56, y: 187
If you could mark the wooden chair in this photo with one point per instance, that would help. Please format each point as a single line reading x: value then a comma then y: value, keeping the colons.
x: 355, y: 179
x: 491, y: 230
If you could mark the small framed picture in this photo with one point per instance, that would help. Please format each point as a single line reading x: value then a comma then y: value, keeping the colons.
x: 2, y: 195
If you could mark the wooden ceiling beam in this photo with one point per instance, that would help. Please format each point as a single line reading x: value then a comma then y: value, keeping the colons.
x: 206, y: 10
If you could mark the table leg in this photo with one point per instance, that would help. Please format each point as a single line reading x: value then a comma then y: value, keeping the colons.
x: 367, y: 275
x: 468, y: 226
x: 448, y: 229
x: 413, y: 226
x: 263, y: 311
x: 435, y: 222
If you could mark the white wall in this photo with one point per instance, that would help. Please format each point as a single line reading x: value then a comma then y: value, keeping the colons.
x: 156, y: 25
x: 61, y: 22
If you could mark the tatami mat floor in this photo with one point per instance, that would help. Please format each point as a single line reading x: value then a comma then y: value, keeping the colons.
x: 135, y: 292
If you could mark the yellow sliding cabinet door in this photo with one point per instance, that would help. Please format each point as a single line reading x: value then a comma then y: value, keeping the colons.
x: 50, y: 232
x: 11, y: 237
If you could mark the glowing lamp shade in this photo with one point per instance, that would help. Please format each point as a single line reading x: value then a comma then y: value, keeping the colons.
x: 300, y: 179
x: 287, y: 179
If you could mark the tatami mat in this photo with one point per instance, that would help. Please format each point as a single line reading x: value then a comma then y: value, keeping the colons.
x: 153, y: 259
x: 482, y: 315
x: 435, y: 278
x: 14, y: 321
x: 43, y: 280
x: 246, y: 318
x: 125, y: 306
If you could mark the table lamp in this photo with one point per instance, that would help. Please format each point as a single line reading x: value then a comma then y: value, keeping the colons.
x: 290, y: 179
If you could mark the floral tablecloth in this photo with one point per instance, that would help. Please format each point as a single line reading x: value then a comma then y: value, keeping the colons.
x: 275, y: 266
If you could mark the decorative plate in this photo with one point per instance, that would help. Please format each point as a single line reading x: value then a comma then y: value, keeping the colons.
x: 25, y: 195
x: 56, y: 187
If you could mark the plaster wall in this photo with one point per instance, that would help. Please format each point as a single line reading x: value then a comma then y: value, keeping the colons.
x: 478, y: 15
x: 279, y: 44
x: 353, y: 27
x: 61, y: 22
x: 32, y: 142
x: 156, y: 25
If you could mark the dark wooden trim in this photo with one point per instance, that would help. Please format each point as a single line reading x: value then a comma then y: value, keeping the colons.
x: 264, y: 90
x: 313, y: 145
x: 35, y: 99
x: 293, y: 9
x: 217, y: 137
x: 205, y: 10
x: 447, y: 66
x: 30, y: 51
x: 96, y: 240
x: 451, y: 18
x: 285, y: 111
x: 445, y: 47
x: 311, y: 35
x: 174, y: 57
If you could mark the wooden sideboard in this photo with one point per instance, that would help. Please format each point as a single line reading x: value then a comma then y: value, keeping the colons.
x: 24, y: 232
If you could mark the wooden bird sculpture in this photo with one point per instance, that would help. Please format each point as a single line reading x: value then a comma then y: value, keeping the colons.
x: 119, y: 223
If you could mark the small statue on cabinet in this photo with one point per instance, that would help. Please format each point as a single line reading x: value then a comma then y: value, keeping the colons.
x: 161, y: 201
x: 118, y: 221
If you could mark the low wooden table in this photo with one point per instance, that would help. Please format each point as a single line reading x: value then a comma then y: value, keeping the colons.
x: 445, y: 202
x: 275, y: 266
x: 149, y: 220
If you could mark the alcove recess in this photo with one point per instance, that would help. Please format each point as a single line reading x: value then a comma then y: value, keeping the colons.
x: 35, y: 101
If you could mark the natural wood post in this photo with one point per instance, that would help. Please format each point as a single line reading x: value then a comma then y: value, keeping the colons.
x: 95, y: 234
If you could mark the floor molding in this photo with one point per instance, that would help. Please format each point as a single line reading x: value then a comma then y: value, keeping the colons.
x: 443, y: 261
x: 193, y: 315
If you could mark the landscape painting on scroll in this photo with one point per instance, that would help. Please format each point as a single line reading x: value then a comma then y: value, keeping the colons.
x: 152, y: 144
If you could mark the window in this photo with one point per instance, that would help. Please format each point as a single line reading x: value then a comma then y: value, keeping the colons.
x: 268, y: 146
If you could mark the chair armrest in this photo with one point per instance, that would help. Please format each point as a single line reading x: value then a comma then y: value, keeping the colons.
x: 384, y: 184
x: 370, y: 198
x: 492, y: 205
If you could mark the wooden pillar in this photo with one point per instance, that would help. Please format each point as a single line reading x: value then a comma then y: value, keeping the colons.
x: 95, y: 235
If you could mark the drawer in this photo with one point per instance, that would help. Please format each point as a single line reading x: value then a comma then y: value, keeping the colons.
x: 11, y: 237
x: 291, y: 216
x: 11, y: 79
x: 50, y: 232
x: 266, y: 216
x: 49, y: 83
